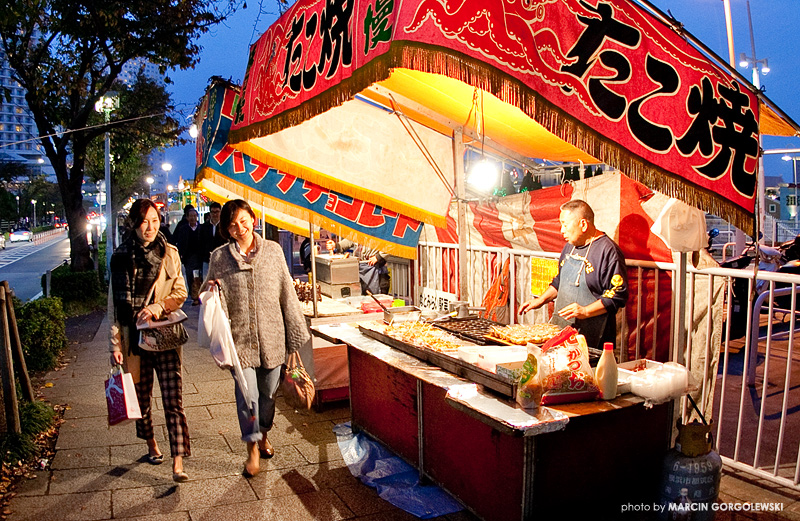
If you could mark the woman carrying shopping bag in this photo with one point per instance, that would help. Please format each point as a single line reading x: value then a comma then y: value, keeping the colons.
x: 266, y: 320
x: 146, y: 284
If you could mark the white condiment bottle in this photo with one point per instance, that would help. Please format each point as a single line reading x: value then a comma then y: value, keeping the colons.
x: 605, y: 375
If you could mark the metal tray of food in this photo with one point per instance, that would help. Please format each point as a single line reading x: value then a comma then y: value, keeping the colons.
x: 401, y: 314
x: 474, y: 329
x: 455, y: 365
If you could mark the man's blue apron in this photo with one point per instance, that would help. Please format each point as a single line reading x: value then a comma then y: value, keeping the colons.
x: 573, y: 288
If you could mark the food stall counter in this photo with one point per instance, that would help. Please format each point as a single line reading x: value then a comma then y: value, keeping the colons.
x: 500, y: 461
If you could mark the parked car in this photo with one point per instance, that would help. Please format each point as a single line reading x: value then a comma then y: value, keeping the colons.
x: 21, y: 234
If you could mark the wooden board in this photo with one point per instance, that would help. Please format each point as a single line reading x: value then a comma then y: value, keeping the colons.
x: 454, y: 365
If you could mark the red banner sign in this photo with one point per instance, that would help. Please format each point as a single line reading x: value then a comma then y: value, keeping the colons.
x: 607, y: 65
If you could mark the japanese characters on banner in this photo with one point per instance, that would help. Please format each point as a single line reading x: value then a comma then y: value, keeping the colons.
x: 253, y: 180
x: 604, y: 75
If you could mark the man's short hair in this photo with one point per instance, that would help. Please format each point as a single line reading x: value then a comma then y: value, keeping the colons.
x: 214, y: 205
x: 580, y: 208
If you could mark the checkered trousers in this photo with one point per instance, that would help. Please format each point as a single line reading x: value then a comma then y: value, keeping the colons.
x: 167, y: 365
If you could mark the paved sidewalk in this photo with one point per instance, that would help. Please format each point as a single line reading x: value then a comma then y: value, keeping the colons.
x: 99, y: 473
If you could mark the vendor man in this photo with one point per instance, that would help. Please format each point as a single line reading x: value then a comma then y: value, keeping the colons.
x: 592, y: 282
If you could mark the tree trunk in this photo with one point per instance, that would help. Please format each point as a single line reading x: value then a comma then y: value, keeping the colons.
x: 80, y: 258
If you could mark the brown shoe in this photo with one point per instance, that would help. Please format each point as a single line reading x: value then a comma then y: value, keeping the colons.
x: 251, y: 467
x: 265, y: 449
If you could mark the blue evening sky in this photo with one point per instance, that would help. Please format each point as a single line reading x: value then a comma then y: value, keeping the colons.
x: 775, y: 29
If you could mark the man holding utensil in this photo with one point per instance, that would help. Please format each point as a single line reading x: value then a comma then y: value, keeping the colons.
x: 592, y: 281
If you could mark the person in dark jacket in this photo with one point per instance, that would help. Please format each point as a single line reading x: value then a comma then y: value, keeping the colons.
x: 592, y: 280
x: 210, y: 232
x: 187, y: 239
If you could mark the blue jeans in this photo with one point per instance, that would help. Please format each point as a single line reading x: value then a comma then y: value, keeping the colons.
x: 262, y: 384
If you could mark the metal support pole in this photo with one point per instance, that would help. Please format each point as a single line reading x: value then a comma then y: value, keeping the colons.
x: 461, y: 194
x: 110, y: 225
x: 313, y: 268
x: 680, y: 323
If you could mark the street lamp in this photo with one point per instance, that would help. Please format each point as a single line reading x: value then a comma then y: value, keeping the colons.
x: 33, y: 202
x: 19, y: 212
x: 150, y: 182
x: 106, y: 104
x: 757, y: 65
x: 793, y: 206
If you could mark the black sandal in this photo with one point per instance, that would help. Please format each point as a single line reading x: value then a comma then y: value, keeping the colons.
x: 155, y: 460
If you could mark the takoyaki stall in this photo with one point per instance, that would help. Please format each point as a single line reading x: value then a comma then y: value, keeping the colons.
x: 502, y: 461
x: 366, y: 108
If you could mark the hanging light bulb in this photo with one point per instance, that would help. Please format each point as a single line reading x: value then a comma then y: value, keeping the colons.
x: 483, y: 175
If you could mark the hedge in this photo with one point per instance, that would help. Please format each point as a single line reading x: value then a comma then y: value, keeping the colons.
x: 42, y: 332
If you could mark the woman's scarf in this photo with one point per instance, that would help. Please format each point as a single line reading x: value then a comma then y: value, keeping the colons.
x: 134, y: 269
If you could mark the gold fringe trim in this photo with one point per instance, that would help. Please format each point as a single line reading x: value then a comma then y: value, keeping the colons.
x: 330, y: 183
x: 438, y: 60
x: 259, y: 198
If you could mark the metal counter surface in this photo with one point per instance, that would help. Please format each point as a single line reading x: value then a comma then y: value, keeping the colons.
x: 462, y: 394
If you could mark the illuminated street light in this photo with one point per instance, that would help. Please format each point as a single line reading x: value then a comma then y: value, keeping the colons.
x: 33, y: 202
x: 106, y: 104
x: 793, y: 206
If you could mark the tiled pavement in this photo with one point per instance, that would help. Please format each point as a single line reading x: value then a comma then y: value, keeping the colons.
x: 98, y: 472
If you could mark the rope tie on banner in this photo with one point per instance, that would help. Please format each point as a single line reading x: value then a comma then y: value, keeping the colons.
x: 415, y: 137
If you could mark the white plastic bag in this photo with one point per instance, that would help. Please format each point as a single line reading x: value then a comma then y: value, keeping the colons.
x: 214, y: 330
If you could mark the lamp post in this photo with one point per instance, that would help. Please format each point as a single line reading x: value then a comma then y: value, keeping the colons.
x: 794, y: 201
x: 106, y: 104
x: 19, y: 212
x: 33, y: 202
x: 181, y: 188
x: 763, y: 67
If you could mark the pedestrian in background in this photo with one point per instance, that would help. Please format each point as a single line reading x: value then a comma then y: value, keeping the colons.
x: 267, y: 321
x: 145, y: 261
x: 210, y: 233
x: 187, y: 239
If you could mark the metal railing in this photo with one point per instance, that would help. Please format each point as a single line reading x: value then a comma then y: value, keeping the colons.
x: 756, y: 416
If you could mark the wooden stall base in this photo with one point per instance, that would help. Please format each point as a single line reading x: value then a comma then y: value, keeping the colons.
x: 609, y: 454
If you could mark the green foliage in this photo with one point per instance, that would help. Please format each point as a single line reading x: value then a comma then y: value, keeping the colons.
x: 132, y: 144
x: 69, y: 285
x: 80, y: 292
x: 67, y: 55
x: 41, y: 332
x: 35, y: 417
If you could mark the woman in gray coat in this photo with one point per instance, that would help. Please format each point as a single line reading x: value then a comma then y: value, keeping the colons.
x: 267, y: 321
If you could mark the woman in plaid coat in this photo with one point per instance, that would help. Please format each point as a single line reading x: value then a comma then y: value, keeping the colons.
x: 143, y: 261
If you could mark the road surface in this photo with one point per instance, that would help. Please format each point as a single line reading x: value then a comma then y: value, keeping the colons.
x: 23, y: 263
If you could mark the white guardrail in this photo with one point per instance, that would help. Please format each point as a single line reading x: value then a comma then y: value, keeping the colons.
x: 743, y: 367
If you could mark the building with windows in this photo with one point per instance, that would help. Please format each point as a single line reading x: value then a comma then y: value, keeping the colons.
x: 18, y: 132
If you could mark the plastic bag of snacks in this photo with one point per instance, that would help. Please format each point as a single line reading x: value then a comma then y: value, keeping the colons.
x: 566, y: 375
x: 529, y: 386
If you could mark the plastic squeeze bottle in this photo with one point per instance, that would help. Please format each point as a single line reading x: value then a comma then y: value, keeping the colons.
x: 605, y: 374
